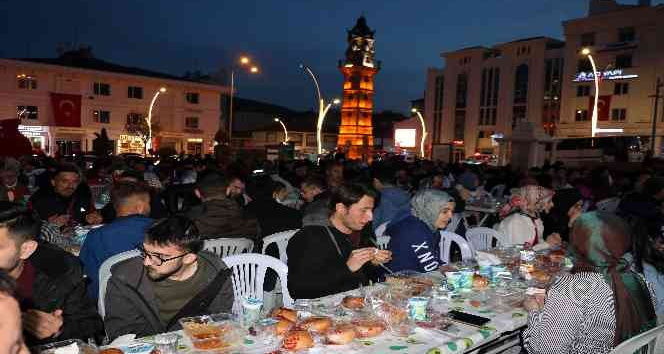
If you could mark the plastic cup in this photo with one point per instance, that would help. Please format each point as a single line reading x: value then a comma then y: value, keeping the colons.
x: 251, y: 310
x: 166, y: 343
x: 417, y: 308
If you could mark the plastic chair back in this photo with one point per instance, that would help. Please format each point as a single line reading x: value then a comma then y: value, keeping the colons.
x: 481, y: 238
x: 643, y: 343
x: 224, y: 247
x: 446, y: 239
x: 105, y: 275
x: 248, y: 276
x: 281, y: 239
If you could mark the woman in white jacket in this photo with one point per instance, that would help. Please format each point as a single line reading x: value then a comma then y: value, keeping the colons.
x: 521, y: 222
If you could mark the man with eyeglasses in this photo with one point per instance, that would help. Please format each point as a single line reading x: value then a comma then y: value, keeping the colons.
x: 173, y: 278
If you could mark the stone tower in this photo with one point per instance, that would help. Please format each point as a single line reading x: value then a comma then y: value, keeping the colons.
x: 358, y: 68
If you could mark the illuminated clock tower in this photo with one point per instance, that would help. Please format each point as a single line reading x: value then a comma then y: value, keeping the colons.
x: 358, y: 68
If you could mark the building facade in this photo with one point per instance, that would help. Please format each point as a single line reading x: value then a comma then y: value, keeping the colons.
x: 627, y: 45
x: 64, y: 101
x: 482, y: 93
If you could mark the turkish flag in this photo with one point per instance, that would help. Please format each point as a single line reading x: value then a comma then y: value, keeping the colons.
x: 66, y: 109
x: 603, y: 107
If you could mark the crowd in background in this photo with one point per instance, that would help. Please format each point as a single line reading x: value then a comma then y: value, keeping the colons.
x: 613, y: 220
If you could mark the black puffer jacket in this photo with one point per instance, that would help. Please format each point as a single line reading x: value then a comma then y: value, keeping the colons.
x: 59, y: 284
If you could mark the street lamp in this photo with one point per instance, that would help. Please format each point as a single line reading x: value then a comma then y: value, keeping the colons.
x: 148, y: 144
x: 322, y: 108
x: 244, y: 61
x: 276, y: 119
x: 594, y: 129
x: 424, y: 130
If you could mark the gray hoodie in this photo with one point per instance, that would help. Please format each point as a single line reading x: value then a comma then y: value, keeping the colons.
x: 131, y: 306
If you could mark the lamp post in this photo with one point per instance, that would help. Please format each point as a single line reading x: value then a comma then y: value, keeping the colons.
x: 322, y: 108
x: 594, y: 130
x: 148, y: 144
x: 276, y: 119
x: 424, y: 130
x: 244, y: 61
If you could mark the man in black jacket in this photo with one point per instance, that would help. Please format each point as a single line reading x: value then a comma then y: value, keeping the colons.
x: 174, y: 279
x: 321, y: 259
x: 51, y: 286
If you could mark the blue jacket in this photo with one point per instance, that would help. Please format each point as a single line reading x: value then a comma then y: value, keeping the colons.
x: 123, y: 234
x: 413, y: 246
x: 393, y: 202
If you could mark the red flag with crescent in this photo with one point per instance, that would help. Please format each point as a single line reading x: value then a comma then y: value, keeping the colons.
x: 603, y: 107
x: 66, y: 109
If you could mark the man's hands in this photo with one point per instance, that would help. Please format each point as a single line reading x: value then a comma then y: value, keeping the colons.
x: 94, y: 218
x: 360, y: 257
x: 42, y: 324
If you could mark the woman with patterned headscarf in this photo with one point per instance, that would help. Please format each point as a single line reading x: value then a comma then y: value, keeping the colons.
x: 521, y: 222
x: 602, y: 303
x: 414, y: 236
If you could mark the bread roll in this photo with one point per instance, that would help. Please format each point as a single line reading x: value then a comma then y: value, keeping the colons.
x: 368, y: 328
x: 341, y: 334
x: 297, y: 340
x: 286, y: 313
x: 353, y: 302
x: 317, y: 324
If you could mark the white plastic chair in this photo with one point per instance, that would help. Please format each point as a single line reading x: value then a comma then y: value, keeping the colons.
x: 281, y: 239
x: 105, y: 275
x: 248, y: 275
x: 647, y: 340
x: 446, y: 239
x: 383, y: 242
x: 224, y: 247
x: 481, y: 238
x: 380, y: 230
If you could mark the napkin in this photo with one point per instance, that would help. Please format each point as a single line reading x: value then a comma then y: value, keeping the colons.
x: 123, y: 340
x: 486, y: 258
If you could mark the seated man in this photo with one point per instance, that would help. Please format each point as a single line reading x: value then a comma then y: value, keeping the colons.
x: 68, y: 201
x: 315, y: 210
x: 173, y: 278
x: 157, y: 208
x: 321, y: 259
x: 131, y: 201
x: 11, y: 340
x: 51, y: 287
x: 218, y: 215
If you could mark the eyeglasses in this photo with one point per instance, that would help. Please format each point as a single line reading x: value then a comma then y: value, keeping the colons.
x: 156, y: 258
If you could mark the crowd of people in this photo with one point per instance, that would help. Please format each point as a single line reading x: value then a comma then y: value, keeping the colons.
x: 611, y: 222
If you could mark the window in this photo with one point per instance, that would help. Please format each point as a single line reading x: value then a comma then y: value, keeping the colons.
x: 584, y: 65
x: 623, y: 61
x: 29, y: 112
x: 99, y: 116
x: 521, y: 84
x: 102, y: 89
x: 135, y: 92
x: 588, y: 39
x: 518, y: 114
x: 461, y: 90
x: 459, y: 124
x: 626, y: 34
x: 581, y: 115
x: 26, y: 82
x: 621, y: 88
x: 192, y: 97
x: 582, y: 91
x: 134, y: 118
x: 191, y: 122
x: 618, y: 114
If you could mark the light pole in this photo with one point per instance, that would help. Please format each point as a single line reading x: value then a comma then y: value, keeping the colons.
x: 322, y: 108
x: 244, y: 61
x: 276, y: 119
x: 594, y: 130
x: 424, y: 130
x: 148, y: 144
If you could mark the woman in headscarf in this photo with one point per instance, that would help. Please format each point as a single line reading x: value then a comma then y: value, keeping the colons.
x: 602, y: 303
x: 521, y: 222
x: 567, y: 207
x: 414, y: 238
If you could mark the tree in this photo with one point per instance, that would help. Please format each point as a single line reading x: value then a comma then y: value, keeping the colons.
x: 102, y: 145
x: 140, y: 129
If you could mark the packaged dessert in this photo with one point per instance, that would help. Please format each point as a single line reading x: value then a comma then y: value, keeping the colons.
x: 72, y: 346
x: 417, y: 284
x: 219, y: 331
x: 368, y: 326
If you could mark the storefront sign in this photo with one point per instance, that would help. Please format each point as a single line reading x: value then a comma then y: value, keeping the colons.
x: 616, y: 74
x: 130, y: 144
x: 31, y: 130
x: 195, y: 140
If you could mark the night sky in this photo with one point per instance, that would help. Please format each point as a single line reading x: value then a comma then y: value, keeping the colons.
x: 175, y: 36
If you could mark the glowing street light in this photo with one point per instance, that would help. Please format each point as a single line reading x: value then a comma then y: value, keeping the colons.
x: 148, y: 145
x: 424, y: 130
x: 276, y: 119
x: 594, y: 129
x: 244, y: 61
x: 322, y: 108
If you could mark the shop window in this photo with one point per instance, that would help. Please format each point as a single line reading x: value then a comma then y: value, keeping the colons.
x: 29, y: 112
